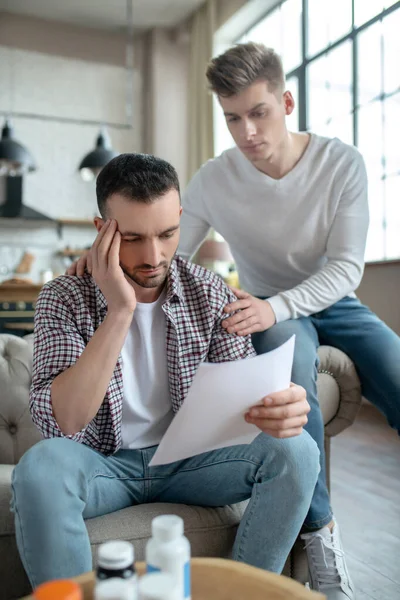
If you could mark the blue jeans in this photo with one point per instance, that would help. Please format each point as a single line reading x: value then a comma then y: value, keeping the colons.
x: 375, y: 351
x: 58, y: 483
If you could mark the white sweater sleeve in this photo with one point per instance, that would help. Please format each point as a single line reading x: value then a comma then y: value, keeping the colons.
x: 194, y: 222
x: 345, y: 249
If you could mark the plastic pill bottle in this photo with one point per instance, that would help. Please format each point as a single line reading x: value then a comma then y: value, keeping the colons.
x: 168, y: 551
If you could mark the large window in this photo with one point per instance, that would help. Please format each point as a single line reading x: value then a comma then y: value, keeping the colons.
x: 342, y: 66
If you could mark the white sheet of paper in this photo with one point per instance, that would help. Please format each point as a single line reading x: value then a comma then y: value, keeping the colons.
x: 212, y: 415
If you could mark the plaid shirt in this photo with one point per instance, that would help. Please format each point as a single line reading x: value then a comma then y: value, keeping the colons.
x: 70, y: 309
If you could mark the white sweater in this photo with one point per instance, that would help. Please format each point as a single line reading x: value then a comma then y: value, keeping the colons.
x: 299, y: 240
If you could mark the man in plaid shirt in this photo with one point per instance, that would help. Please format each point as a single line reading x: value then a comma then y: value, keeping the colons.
x: 115, y: 353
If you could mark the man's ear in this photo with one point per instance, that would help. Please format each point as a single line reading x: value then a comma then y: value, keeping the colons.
x: 289, y: 103
x: 98, y: 223
x: 180, y: 211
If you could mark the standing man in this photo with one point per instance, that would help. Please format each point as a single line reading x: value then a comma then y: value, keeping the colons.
x: 115, y: 353
x: 293, y: 208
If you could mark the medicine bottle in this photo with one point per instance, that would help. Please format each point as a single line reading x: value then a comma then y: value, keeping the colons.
x: 158, y: 586
x: 168, y: 551
x: 61, y: 589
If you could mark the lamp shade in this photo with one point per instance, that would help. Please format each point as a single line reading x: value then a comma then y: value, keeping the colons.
x: 212, y: 250
x: 15, y: 159
x: 93, y: 162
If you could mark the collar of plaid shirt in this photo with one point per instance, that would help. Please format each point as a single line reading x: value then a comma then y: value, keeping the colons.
x: 193, y: 309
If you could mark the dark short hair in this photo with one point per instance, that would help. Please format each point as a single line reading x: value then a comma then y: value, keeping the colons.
x: 241, y: 66
x: 138, y: 177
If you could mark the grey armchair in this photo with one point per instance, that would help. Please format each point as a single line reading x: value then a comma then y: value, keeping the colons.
x: 211, y: 530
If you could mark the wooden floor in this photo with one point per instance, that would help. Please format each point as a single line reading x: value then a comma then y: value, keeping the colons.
x: 366, y: 503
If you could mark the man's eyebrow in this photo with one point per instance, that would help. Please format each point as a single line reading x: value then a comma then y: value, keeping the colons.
x: 259, y: 105
x: 134, y: 234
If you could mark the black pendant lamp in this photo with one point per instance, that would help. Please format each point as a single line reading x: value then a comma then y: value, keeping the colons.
x: 93, y: 162
x: 15, y: 159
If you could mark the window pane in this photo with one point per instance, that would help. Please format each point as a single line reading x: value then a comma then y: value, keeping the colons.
x: 392, y: 217
x: 340, y: 79
x: 292, y: 120
x: 291, y: 34
x: 267, y: 31
x: 327, y: 22
x: 341, y: 128
x: 281, y: 30
x: 375, y: 249
x: 370, y: 146
x: 364, y: 10
x: 391, y: 112
x: 330, y: 86
x: 370, y: 136
x: 222, y: 138
x: 369, y: 63
x: 318, y: 94
x: 391, y: 52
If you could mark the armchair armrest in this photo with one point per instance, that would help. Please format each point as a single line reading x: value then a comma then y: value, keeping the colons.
x: 337, y: 364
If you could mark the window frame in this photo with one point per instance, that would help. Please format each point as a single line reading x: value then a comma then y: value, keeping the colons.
x: 300, y: 72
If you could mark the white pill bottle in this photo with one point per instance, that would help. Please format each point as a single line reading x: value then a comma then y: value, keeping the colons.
x: 158, y: 586
x: 168, y: 551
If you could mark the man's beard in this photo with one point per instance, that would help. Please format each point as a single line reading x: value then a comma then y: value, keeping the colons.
x: 152, y: 281
x: 147, y: 282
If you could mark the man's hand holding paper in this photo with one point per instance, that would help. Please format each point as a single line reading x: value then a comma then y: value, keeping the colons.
x: 228, y: 392
x: 281, y: 414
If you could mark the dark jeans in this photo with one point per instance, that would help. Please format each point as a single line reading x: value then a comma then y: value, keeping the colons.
x: 375, y: 351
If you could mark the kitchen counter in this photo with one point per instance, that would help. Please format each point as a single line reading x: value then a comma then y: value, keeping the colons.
x: 12, y: 292
x: 17, y: 307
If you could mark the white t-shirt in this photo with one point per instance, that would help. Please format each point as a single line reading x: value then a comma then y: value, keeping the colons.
x: 299, y: 240
x: 147, y: 409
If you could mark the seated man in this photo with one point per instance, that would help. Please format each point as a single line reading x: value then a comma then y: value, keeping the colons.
x: 115, y: 353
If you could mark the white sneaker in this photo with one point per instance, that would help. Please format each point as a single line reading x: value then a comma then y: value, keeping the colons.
x: 327, y: 565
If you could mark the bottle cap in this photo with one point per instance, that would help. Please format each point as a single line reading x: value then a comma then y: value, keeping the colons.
x: 62, y: 589
x: 116, y: 555
x: 158, y: 586
x: 114, y: 589
x: 167, y: 527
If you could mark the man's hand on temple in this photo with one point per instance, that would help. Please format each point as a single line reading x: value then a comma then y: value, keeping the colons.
x: 254, y: 314
x: 106, y: 270
x: 282, y: 414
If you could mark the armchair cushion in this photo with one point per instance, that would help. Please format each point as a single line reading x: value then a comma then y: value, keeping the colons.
x: 17, y: 431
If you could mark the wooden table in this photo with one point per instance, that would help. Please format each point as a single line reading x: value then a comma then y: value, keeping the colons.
x: 220, y: 579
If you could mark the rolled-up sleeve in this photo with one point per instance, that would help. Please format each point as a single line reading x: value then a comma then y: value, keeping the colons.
x: 57, y: 346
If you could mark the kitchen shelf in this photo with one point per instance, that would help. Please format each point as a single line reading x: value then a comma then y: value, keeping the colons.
x: 19, y: 292
x: 33, y: 223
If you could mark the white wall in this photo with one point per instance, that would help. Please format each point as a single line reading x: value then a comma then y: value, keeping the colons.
x: 59, y: 86
x: 169, y: 98
x: 62, y: 39
x: 62, y: 87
